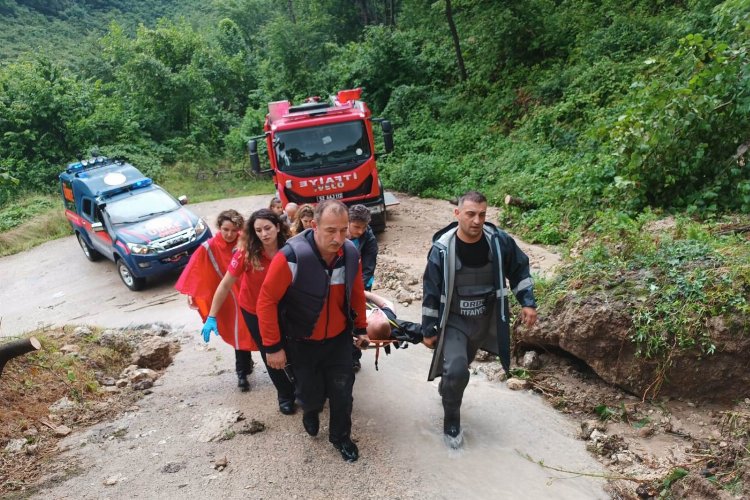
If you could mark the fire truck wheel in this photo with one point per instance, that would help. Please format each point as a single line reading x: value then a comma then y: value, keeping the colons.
x: 89, y: 252
x: 127, y: 277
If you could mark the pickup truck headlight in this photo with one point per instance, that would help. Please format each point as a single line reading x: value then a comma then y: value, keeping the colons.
x: 200, y: 227
x: 139, y: 249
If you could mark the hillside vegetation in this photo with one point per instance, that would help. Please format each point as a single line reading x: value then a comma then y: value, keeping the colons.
x: 602, y: 116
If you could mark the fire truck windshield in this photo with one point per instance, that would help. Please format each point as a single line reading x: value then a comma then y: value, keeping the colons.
x: 139, y: 206
x: 324, y: 146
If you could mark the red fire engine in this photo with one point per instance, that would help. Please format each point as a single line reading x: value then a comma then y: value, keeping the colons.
x: 322, y: 150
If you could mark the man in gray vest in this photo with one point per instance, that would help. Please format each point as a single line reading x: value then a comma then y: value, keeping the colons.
x: 310, y: 307
x: 464, y: 306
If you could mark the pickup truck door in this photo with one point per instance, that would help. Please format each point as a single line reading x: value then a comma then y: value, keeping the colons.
x: 100, y: 240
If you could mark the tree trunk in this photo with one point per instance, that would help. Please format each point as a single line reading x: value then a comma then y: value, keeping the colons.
x: 518, y: 202
x: 456, y: 42
x: 17, y: 348
x: 290, y: 9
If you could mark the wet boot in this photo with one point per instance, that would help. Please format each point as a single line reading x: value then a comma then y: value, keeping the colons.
x: 452, y: 426
x: 311, y: 422
x: 242, y: 381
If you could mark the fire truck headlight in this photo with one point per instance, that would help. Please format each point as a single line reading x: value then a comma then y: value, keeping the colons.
x: 200, y: 227
x: 139, y: 249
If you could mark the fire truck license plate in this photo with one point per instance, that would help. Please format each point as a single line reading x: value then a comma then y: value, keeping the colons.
x: 334, y: 196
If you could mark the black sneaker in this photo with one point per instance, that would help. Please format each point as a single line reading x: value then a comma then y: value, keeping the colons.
x: 356, y: 365
x: 311, y: 422
x: 287, y: 407
x: 242, y: 382
x: 348, y: 449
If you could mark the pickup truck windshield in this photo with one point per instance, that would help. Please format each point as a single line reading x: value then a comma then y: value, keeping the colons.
x: 324, y: 146
x: 140, y: 206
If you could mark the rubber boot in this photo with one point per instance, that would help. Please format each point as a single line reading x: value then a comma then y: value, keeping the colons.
x: 452, y: 426
x: 242, y: 381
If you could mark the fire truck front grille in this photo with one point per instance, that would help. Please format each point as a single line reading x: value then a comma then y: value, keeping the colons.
x: 361, y: 190
x: 174, y: 240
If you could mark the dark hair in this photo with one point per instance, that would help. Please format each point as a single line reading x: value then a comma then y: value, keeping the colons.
x: 359, y: 213
x: 251, y: 244
x: 473, y: 196
x: 274, y: 201
x: 232, y: 216
x: 335, y: 205
x: 305, y: 210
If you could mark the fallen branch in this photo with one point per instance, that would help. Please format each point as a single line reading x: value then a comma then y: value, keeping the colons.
x: 609, y: 477
x: 17, y: 348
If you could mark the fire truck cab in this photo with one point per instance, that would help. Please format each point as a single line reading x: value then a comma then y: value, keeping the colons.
x: 117, y: 212
x: 322, y: 150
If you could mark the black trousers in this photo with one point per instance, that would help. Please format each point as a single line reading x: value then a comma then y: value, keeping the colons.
x: 324, y: 369
x: 243, y: 362
x: 284, y: 388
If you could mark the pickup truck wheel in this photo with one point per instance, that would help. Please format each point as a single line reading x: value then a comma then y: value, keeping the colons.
x: 88, y: 252
x: 127, y: 277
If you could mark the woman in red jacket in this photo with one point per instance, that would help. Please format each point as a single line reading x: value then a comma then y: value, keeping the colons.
x: 200, y: 280
x: 263, y: 236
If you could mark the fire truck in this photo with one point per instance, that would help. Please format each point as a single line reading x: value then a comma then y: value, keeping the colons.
x: 321, y: 150
x: 118, y: 213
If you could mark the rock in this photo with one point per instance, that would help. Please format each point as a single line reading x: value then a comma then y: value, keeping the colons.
x: 82, y: 331
x: 517, y: 384
x: 107, y: 381
x: 70, y: 349
x: 62, y: 405
x: 112, y: 388
x: 153, y: 353
x: 221, y: 463
x: 597, y: 329
x: 128, y: 370
x: 531, y: 360
x: 115, y: 339
x: 173, y: 467
x: 646, y: 431
x: 15, y: 445
x: 596, y: 436
x: 695, y: 487
x: 483, y: 356
x: 252, y: 427
x: 587, y: 427
x: 112, y: 480
x: 31, y: 432
x: 62, y: 431
x: 122, y: 383
x: 142, y: 374
x: 143, y: 385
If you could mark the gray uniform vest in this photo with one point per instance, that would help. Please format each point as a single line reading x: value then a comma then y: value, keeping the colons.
x: 303, y: 301
x: 474, y: 291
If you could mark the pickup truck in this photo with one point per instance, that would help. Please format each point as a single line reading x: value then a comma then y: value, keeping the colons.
x: 118, y: 213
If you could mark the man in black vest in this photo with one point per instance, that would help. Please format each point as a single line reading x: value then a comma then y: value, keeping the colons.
x: 464, y: 305
x: 310, y: 305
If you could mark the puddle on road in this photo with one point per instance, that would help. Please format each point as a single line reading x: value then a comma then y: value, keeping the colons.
x: 505, y: 432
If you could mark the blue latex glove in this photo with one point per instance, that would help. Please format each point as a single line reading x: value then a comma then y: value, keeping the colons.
x: 209, y: 326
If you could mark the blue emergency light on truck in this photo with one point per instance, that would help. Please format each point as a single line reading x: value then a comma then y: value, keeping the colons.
x: 117, y: 212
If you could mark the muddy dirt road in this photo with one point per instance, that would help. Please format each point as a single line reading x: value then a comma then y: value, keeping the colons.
x: 159, y: 448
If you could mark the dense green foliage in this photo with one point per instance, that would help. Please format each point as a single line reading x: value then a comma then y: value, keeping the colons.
x: 567, y: 105
x: 673, y: 274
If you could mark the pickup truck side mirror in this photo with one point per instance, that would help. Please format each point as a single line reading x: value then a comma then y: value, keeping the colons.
x: 252, y: 148
x: 183, y: 200
x: 97, y: 227
x: 387, y: 128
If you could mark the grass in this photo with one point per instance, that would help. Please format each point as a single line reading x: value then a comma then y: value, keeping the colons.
x: 216, y: 182
x: 43, y: 227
